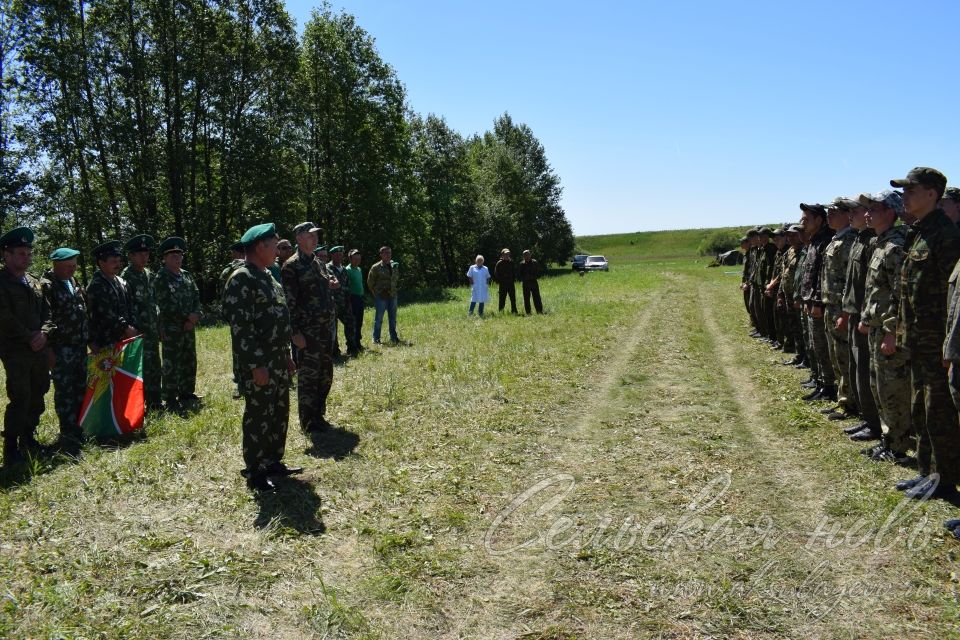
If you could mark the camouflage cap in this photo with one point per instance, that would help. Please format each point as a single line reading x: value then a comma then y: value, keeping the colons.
x: 795, y: 228
x: 752, y: 233
x: 924, y: 176
x: 888, y: 198
x: 305, y: 227
x: 778, y: 231
x: 844, y: 203
x: 952, y: 193
x: 19, y: 237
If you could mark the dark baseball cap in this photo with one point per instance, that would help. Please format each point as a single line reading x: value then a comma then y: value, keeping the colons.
x: 813, y: 208
x: 923, y: 176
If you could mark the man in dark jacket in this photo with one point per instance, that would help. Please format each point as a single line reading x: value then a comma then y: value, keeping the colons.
x: 505, y: 274
x: 529, y: 271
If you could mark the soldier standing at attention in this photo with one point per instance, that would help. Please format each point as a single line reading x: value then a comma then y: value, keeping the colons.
x: 788, y: 278
x: 950, y: 203
x: 858, y: 366
x: 746, y: 281
x: 528, y: 271
x: 139, y: 280
x: 111, y: 315
x: 835, y: 260
x: 504, y: 273
x: 68, y: 341
x: 236, y: 261
x: 307, y: 287
x: 932, y: 249
x: 24, y: 326
x: 344, y: 311
x: 284, y: 251
x: 178, y: 300
x: 818, y: 236
x: 355, y: 282
x: 260, y: 333
x: 889, y: 367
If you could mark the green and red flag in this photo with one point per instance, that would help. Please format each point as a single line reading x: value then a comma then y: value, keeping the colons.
x: 113, y: 403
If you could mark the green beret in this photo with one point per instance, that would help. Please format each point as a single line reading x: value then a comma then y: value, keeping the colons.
x: 19, y: 237
x: 320, y: 249
x: 63, y: 253
x: 173, y: 244
x: 107, y: 249
x: 336, y: 248
x: 258, y: 232
x: 143, y: 242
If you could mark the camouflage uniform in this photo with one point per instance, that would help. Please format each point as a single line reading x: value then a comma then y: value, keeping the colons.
x: 260, y: 333
x: 951, y: 344
x: 224, y: 277
x: 810, y: 292
x: 177, y: 298
x: 110, y: 311
x: 747, y: 279
x: 889, y: 375
x: 779, y: 321
x: 23, y: 310
x: 803, y: 317
x: 791, y: 321
x: 858, y: 368
x: 932, y: 249
x: 343, y: 309
x: 306, y: 284
x: 144, y: 305
x: 835, y: 259
x: 763, y: 306
x: 68, y: 314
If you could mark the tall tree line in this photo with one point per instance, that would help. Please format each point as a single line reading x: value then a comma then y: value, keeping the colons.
x: 199, y: 118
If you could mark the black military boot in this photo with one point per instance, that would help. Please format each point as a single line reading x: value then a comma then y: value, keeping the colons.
x: 11, y: 452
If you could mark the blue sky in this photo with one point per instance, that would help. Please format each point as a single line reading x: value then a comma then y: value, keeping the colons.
x: 671, y: 115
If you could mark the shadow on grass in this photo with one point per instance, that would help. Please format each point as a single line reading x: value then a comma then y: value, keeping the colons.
x: 294, y: 505
x: 334, y: 443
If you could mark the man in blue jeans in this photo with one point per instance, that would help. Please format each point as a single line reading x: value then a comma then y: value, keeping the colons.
x: 382, y: 282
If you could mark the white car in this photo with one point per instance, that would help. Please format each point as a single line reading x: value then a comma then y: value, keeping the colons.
x: 596, y: 263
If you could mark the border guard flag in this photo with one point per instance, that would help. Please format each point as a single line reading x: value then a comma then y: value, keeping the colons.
x: 113, y: 403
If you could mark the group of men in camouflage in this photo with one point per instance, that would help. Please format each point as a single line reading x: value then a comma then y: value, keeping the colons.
x: 48, y: 325
x: 872, y: 309
x: 274, y: 296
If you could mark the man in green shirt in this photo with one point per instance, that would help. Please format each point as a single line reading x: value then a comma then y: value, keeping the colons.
x: 355, y: 290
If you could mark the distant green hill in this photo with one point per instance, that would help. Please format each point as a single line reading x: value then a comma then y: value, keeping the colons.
x: 650, y: 245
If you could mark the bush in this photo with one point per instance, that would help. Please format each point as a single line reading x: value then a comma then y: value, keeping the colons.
x: 718, y: 242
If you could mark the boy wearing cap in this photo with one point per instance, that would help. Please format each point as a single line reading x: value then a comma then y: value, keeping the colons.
x: 111, y: 315
x: 178, y: 301
x: 932, y: 249
x: 260, y: 334
x: 68, y: 340
x: 858, y: 367
x: 139, y: 280
x: 889, y: 370
x: 819, y: 235
x: 950, y: 203
x: 836, y: 257
x: 24, y: 326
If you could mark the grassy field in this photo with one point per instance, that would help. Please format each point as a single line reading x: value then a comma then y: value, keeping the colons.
x: 629, y: 465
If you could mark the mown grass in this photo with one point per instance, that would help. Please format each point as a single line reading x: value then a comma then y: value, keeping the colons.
x: 635, y: 385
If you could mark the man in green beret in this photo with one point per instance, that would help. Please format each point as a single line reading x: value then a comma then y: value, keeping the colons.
x: 68, y: 339
x: 308, y: 286
x: 341, y: 301
x: 108, y: 302
x: 237, y: 259
x: 178, y: 300
x: 24, y: 326
x: 260, y: 332
x: 139, y: 280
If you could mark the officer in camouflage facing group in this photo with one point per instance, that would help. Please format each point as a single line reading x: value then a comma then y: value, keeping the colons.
x: 881, y: 310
